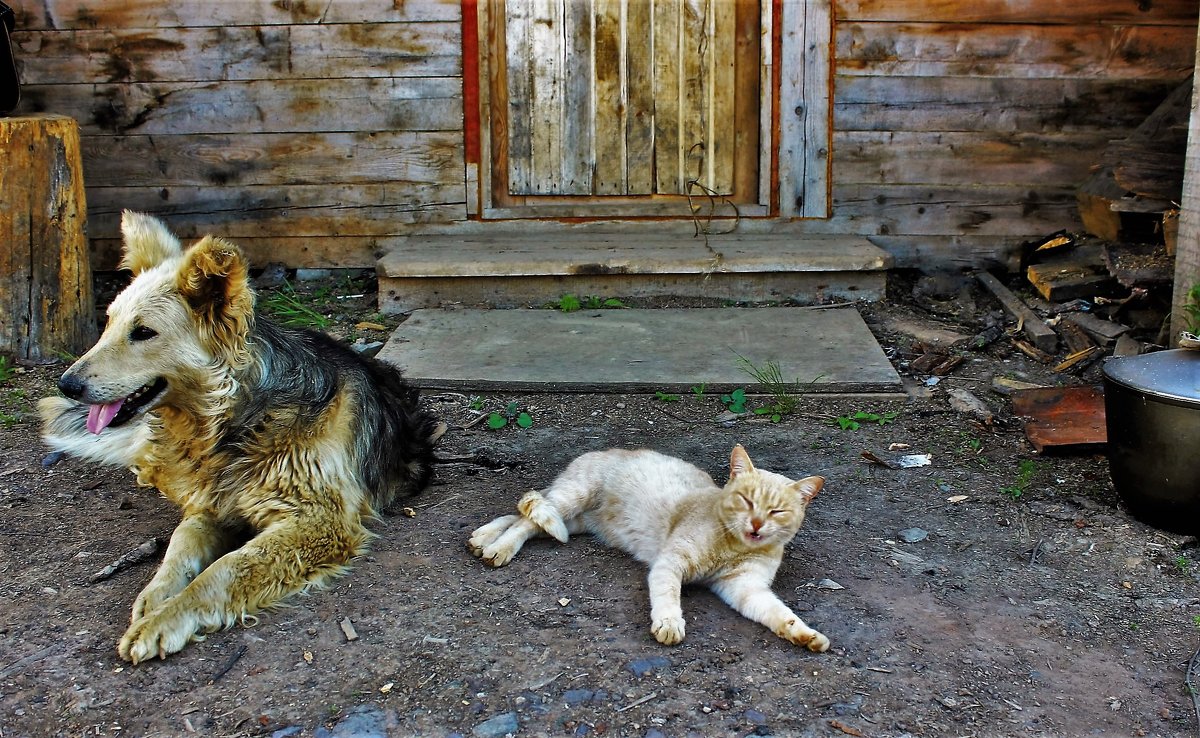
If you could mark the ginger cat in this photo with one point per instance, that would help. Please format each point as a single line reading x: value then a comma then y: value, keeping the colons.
x: 671, y: 516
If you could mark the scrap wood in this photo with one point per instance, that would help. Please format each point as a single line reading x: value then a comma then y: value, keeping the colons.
x: 963, y: 401
x: 1075, y: 338
x: 1105, y: 332
x: 1064, y: 280
x: 847, y: 729
x: 1070, y: 418
x: 348, y: 629
x: 935, y: 363
x: 1032, y: 351
x: 1042, y: 335
x: 136, y: 556
x: 1079, y: 359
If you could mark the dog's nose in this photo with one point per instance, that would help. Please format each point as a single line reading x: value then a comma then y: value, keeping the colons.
x: 72, y: 387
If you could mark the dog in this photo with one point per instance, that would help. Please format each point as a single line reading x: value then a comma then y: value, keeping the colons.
x: 278, y: 444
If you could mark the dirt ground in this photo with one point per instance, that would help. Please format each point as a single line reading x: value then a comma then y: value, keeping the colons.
x: 1031, y: 605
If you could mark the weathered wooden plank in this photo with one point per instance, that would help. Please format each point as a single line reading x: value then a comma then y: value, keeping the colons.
x: 954, y: 252
x: 639, y: 118
x: 804, y: 109
x: 92, y: 14
x: 240, y: 53
x: 1160, y: 12
x: 722, y: 117
x: 237, y: 159
x: 695, y: 90
x: 298, y: 106
x: 549, y: 67
x: 518, y: 68
x: 609, y: 110
x: 270, y: 211
x: 314, y: 252
x: 960, y: 158
x: 668, y: 157
x: 577, y: 98
x: 45, y: 278
x: 993, y: 104
x: 935, y: 211
x: 1042, y: 335
x: 1187, y: 249
x: 1014, y: 50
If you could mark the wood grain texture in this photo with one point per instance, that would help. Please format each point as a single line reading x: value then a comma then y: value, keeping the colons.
x: 93, y: 14
x: 639, y: 105
x: 1159, y: 12
x: 668, y: 151
x: 46, y: 305
x: 804, y: 109
x: 608, y: 100
x: 240, y: 53
x: 1187, y: 249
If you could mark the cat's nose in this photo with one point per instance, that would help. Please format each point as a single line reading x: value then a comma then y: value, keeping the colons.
x: 755, y: 523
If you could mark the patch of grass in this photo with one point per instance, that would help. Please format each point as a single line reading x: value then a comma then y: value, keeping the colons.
x: 290, y: 309
x: 1196, y: 620
x: 698, y: 389
x: 1025, y: 471
x: 595, y: 302
x: 665, y: 397
x: 511, y: 413
x: 770, y: 378
x: 475, y: 402
x: 8, y: 420
x: 972, y: 444
x: 1183, y: 564
x: 1191, y: 309
x: 7, y: 370
x: 855, y: 420
x: 569, y: 303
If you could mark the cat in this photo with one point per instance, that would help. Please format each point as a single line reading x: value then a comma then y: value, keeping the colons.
x: 671, y: 516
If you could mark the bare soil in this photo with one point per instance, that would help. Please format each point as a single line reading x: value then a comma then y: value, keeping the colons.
x: 1034, y: 605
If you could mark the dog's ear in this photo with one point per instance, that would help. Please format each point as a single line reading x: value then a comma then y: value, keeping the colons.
x: 148, y: 243
x: 215, y: 282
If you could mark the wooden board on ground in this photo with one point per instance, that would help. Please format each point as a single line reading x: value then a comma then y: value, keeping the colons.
x: 1062, y: 418
x: 670, y: 350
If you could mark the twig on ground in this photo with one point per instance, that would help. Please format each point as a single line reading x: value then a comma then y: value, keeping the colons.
x: 26, y: 660
x: 241, y: 650
x: 1193, y: 667
x: 142, y: 553
x: 635, y: 703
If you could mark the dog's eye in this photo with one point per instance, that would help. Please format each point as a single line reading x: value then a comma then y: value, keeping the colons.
x: 142, y: 333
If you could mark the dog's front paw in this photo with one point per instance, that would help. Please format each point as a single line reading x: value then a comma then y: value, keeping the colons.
x: 669, y: 630
x: 157, y: 634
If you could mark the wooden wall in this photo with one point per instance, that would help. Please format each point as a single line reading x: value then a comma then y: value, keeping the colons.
x: 313, y: 132
x: 308, y: 131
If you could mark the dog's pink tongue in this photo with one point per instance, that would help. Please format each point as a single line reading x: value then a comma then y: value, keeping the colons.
x: 99, y: 416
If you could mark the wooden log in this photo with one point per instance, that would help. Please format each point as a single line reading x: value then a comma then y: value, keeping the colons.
x: 46, y: 306
x: 1043, y: 336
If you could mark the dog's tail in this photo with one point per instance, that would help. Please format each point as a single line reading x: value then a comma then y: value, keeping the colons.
x: 64, y: 429
x: 542, y: 513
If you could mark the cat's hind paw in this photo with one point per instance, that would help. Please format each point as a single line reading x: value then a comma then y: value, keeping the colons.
x: 668, y: 631
x: 544, y: 515
x: 818, y: 643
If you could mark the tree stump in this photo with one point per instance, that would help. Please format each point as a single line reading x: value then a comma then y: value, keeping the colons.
x: 46, y: 305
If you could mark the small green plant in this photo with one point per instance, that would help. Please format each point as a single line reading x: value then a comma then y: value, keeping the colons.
x: 698, y: 389
x: 8, y: 420
x: 1025, y: 471
x: 595, y: 302
x: 1196, y: 620
x: 665, y: 397
x: 1183, y: 564
x: 1135, y: 626
x: 475, y: 402
x: 289, y: 309
x: 855, y: 420
x: 7, y: 370
x: 568, y: 303
x: 498, y: 420
x: 770, y: 378
x: 971, y: 443
x: 735, y: 402
x: 1191, y: 309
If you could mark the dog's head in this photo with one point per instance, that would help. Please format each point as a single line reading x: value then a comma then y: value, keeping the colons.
x: 180, y: 324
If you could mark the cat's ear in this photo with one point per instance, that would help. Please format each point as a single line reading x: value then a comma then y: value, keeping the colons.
x: 739, y: 462
x: 808, y: 487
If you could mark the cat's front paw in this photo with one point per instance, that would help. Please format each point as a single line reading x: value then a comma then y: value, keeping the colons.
x: 797, y: 632
x: 668, y: 631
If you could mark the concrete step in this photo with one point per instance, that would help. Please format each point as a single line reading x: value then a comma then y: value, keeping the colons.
x: 508, y: 269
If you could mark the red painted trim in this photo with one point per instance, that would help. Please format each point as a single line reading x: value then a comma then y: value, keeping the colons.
x: 470, y: 68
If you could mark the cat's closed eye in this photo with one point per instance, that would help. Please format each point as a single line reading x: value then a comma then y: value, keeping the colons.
x: 778, y: 512
x: 748, y: 501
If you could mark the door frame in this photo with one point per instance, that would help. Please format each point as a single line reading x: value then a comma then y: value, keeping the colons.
x: 795, y: 126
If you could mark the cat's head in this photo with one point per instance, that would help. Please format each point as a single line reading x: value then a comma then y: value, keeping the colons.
x: 762, y: 508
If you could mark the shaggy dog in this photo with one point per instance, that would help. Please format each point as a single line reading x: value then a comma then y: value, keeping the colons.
x: 277, y: 444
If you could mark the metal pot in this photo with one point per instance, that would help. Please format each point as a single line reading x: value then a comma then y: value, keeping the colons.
x: 1152, y: 410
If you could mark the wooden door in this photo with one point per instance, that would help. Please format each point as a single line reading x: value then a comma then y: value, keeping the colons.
x: 624, y: 107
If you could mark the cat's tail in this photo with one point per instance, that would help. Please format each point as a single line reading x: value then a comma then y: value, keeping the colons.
x: 542, y: 513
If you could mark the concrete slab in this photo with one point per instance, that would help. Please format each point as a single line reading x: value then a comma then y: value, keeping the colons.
x: 828, y: 351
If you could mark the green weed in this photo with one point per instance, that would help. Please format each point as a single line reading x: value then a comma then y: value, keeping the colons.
x: 1191, y: 309
x: 8, y: 420
x: 511, y: 413
x: 770, y: 378
x: 289, y: 308
x: 854, y: 421
x: 1025, y: 471
x: 666, y: 397
x: 594, y: 302
x: 475, y: 402
x: 698, y: 389
x: 735, y: 402
x: 7, y: 370
x: 1183, y: 563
